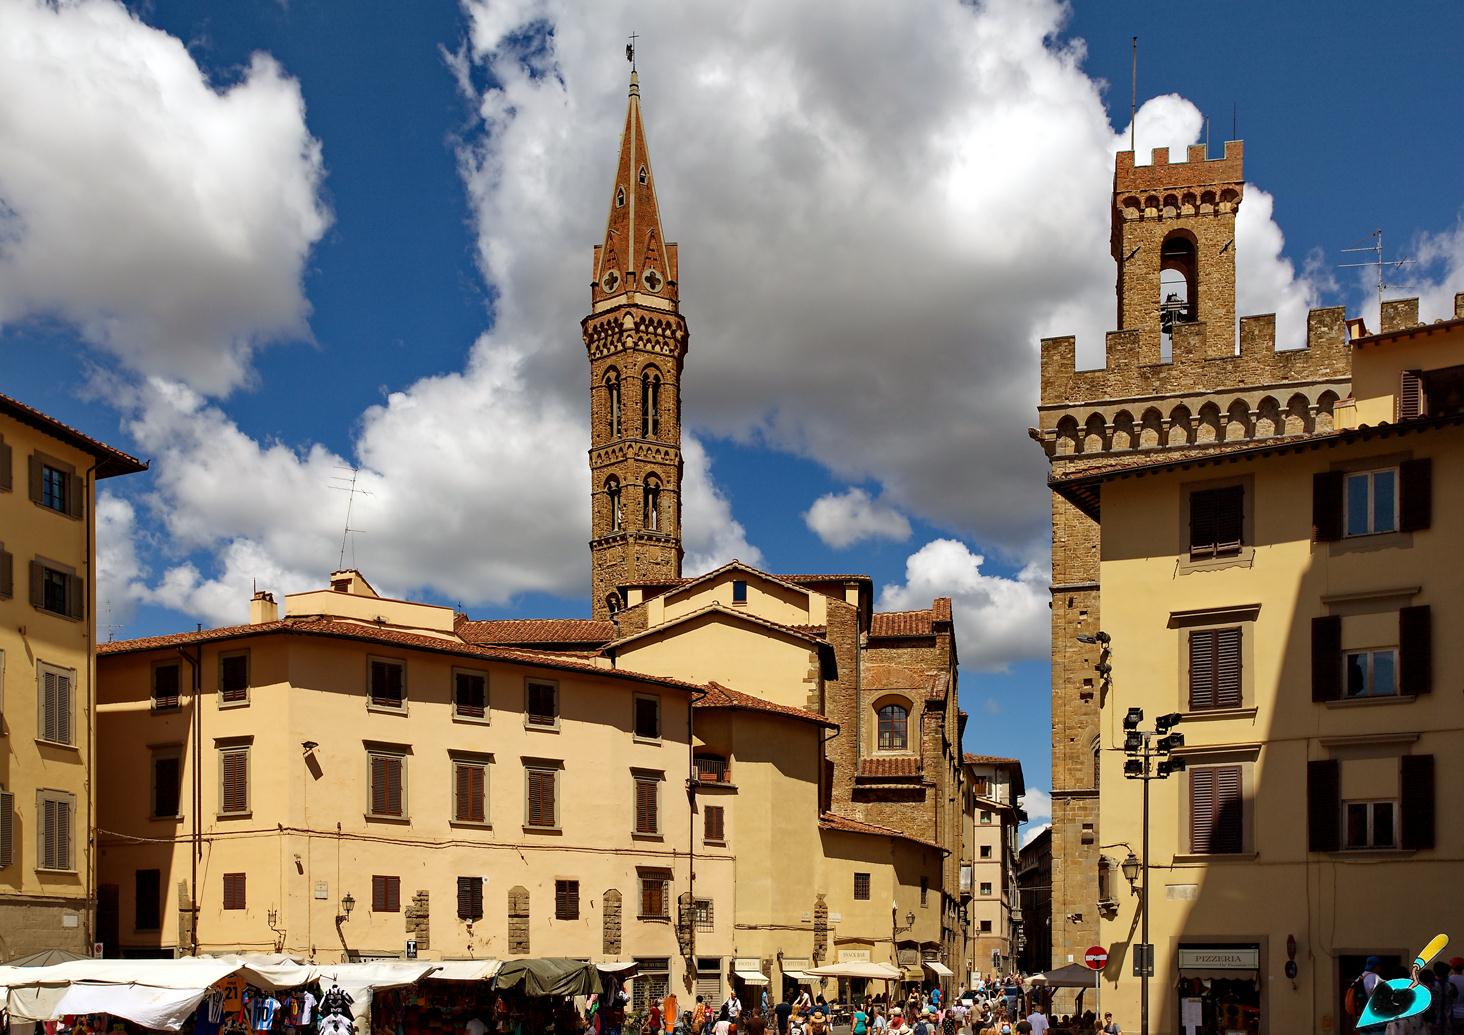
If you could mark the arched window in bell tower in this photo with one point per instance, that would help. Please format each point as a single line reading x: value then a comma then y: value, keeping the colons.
x: 612, y: 604
x: 612, y: 495
x: 651, y: 519
x: 1178, y: 287
x: 651, y: 403
x: 612, y: 401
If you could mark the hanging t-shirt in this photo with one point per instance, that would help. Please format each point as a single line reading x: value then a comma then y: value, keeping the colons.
x: 307, y: 1007
x: 210, y: 1016
x: 263, y: 1016
x: 336, y: 1001
x: 336, y: 1024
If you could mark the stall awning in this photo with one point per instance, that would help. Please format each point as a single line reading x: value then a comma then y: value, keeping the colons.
x: 550, y: 976
x: 464, y: 970
x: 938, y: 969
x: 748, y: 971
x: 162, y: 1009
x: 801, y: 976
x: 858, y: 969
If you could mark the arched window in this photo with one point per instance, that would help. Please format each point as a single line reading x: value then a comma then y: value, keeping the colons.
x: 651, y: 403
x: 612, y: 604
x: 643, y: 174
x: 619, y: 197
x: 1178, y: 288
x: 612, y: 493
x: 612, y: 396
x: 894, y: 728
x: 651, y: 518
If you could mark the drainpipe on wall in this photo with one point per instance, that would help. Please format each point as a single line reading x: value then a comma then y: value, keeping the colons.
x: 691, y: 785
x: 196, y: 853
x: 90, y: 912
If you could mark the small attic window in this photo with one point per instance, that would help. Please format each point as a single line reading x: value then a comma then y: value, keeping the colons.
x: 341, y: 585
x: 643, y: 174
x: 739, y: 591
x: 619, y: 197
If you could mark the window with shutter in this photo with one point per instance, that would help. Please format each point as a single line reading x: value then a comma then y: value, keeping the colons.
x: 653, y: 896
x: 54, y: 586
x: 166, y: 782
x: 1323, y: 787
x: 234, y: 677
x: 388, y: 683
x: 7, y: 829
x: 566, y: 900
x: 1326, y: 658
x: 542, y: 704
x: 1214, y: 668
x: 55, y: 815
x: 648, y: 718
x: 7, y: 573
x: 1217, y: 824
x: 470, y: 694
x: 1415, y: 494
x: 1410, y: 395
x: 234, y: 781
x: 1327, y: 506
x: 1417, y: 797
x: 1415, y: 650
x: 54, y: 703
x: 646, y: 819
x: 470, y: 898
x: 715, y: 821
x: 387, y: 775
x: 386, y: 894
x: 470, y: 781
x: 234, y: 891
x: 861, y: 887
x: 147, y: 898
x: 542, y: 811
x: 166, y: 679
x: 6, y: 461
x: 1217, y: 522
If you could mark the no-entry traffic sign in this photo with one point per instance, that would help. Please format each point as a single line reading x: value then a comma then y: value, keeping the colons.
x: 1096, y: 958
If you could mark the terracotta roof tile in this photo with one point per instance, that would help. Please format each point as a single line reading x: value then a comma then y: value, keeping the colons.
x: 719, y: 696
x: 900, y: 623
x: 941, y: 609
x: 936, y: 690
x: 829, y: 821
x: 799, y: 631
x: 315, y: 626
x: 112, y: 460
x: 588, y: 631
x: 901, y: 765
x: 970, y: 759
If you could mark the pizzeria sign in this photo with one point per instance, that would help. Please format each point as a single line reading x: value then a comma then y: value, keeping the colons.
x: 1220, y: 959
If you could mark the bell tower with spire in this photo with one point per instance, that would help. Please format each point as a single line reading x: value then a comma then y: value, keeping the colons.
x: 636, y: 339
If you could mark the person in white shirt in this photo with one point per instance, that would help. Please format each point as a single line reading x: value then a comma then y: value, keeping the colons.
x: 1038, y: 1021
x: 733, y: 1006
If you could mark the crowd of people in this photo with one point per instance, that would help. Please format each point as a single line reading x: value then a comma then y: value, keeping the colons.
x: 1000, y: 1006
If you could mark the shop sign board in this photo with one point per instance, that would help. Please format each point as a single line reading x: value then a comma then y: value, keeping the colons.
x: 1241, y: 957
x: 854, y: 955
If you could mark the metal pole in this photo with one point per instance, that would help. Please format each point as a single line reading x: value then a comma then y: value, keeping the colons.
x: 1144, y: 906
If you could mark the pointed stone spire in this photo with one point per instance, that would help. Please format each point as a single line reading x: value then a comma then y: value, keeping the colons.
x: 634, y: 264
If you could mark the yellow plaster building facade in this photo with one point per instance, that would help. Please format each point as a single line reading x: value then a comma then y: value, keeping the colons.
x: 1284, y: 589
x: 48, y: 476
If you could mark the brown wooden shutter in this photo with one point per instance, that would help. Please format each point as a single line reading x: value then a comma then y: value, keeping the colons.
x: 386, y: 894
x: 1202, y: 809
x: 1415, y: 650
x: 470, y: 898
x: 1415, y: 494
x: 37, y: 584
x: 566, y: 900
x: 34, y: 478
x: 1410, y: 395
x: 1327, y: 506
x: 234, y: 891
x: 64, y: 683
x: 1416, y: 786
x: 468, y: 786
x: 715, y: 823
x: 7, y: 574
x: 386, y: 785
x: 74, y: 490
x: 1202, y: 523
x: 7, y: 829
x: 75, y: 596
x: 236, y: 781
x: 1202, y: 668
x: 1227, y: 668
x: 1229, y: 828
x: 645, y: 807
x: 1326, y: 658
x: 1323, y: 805
x: 541, y: 798
x: 5, y: 458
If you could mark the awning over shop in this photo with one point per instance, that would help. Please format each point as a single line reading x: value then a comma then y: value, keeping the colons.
x: 464, y: 970
x: 938, y: 969
x: 1074, y: 975
x: 162, y: 1009
x: 858, y: 969
x: 360, y: 980
x: 549, y: 976
x: 748, y: 971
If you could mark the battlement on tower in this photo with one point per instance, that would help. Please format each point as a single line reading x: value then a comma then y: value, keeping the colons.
x: 1197, y: 170
x: 1133, y: 366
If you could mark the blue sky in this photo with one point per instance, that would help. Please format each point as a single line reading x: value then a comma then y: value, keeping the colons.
x: 257, y: 241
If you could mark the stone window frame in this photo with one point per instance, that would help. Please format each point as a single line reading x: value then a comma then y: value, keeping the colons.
x: 226, y: 655
x: 1244, y: 755
x: 165, y: 704
x: 655, y: 779
x: 1245, y: 557
x: 479, y: 760
x: 386, y: 709
x: 156, y: 754
x: 1345, y: 543
x: 400, y: 753
x: 1244, y: 616
x: 460, y: 716
x: 530, y: 681
x: 905, y: 699
x: 555, y: 768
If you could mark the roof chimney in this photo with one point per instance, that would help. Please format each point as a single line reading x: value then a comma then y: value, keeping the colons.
x: 262, y: 608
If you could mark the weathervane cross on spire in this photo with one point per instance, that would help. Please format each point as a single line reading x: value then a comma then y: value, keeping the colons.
x: 630, y: 50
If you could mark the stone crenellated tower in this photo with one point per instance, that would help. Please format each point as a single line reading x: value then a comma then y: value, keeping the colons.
x: 636, y: 339
x: 1176, y: 380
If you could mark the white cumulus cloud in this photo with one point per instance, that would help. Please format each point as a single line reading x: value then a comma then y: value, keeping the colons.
x: 1032, y: 833
x: 167, y: 220
x: 998, y: 620
x: 1037, y: 804
x: 843, y: 519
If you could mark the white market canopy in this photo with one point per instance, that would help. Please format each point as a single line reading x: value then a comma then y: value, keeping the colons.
x: 858, y: 969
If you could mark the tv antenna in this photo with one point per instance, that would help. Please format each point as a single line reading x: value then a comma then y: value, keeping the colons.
x: 1379, y: 263
x: 340, y: 483
x: 112, y: 627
